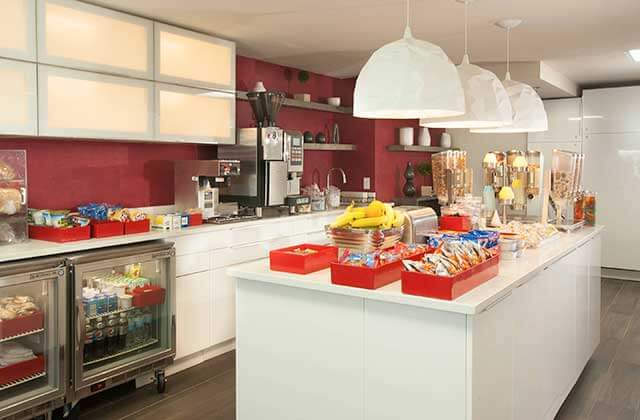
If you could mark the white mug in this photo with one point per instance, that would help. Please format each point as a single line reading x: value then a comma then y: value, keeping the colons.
x: 406, y: 136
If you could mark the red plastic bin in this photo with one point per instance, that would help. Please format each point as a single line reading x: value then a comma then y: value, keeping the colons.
x: 449, y: 288
x: 51, y: 234
x: 21, y: 370
x: 140, y: 226
x: 148, y: 295
x: 195, y: 219
x: 106, y: 228
x: 283, y: 260
x: 455, y: 223
x: 368, y: 278
x: 21, y: 325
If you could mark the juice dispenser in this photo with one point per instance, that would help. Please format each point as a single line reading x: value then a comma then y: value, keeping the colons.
x: 517, y: 168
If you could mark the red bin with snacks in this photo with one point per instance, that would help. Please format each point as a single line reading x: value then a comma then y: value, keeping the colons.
x: 21, y: 325
x: 302, y: 259
x: 52, y: 234
x: 366, y: 277
x: 449, y: 287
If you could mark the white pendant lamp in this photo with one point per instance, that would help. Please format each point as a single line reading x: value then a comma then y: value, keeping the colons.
x: 529, y: 115
x: 487, y: 101
x: 408, y: 79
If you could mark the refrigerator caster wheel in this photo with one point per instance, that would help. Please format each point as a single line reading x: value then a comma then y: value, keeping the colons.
x: 161, y: 382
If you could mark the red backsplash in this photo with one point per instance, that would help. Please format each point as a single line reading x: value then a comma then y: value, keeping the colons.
x: 64, y: 173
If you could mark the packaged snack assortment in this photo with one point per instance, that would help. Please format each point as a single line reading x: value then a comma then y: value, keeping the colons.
x: 372, y: 270
x: 379, y: 258
x: 485, y: 238
x: 452, y: 257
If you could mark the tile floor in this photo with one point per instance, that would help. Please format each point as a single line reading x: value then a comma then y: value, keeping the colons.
x: 608, y: 389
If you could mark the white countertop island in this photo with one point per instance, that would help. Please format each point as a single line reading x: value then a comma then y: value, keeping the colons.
x: 510, y: 349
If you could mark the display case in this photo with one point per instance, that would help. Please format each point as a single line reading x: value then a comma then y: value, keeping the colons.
x: 124, y: 319
x: 33, y: 331
x: 13, y: 196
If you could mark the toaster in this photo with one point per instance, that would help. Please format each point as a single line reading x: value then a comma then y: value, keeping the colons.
x: 418, y: 224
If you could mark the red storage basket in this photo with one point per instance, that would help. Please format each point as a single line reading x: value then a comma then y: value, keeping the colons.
x: 140, y: 226
x: 148, y: 296
x: 21, y: 370
x: 51, y: 234
x: 195, y: 219
x: 21, y: 325
x: 368, y: 278
x: 449, y: 288
x: 106, y: 228
x: 455, y: 223
x: 283, y: 260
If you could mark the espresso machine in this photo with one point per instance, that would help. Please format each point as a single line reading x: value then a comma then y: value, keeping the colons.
x: 198, y: 184
x: 263, y: 168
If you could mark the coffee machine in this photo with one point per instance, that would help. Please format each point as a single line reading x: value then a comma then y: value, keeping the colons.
x: 198, y: 184
x: 294, y: 156
x: 261, y: 150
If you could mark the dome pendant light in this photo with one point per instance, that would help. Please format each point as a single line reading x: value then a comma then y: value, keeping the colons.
x: 487, y: 101
x: 529, y: 115
x: 408, y: 79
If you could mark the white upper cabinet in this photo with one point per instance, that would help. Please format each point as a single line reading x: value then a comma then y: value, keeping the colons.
x: 18, y: 107
x: 74, y: 103
x: 83, y: 36
x: 194, y: 115
x: 18, y: 29
x: 192, y: 59
x: 565, y: 121
x: 611, y: 110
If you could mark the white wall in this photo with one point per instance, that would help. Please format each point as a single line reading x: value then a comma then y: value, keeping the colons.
x: 477, y: 145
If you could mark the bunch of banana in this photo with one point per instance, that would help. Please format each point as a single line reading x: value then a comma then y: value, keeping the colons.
x: 375, y: 216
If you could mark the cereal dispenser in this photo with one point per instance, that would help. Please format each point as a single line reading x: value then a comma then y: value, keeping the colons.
x: 451, y: 178
x: 534, y: 173
x: 13, y: 196
x: 563, y: 180
x: 517, y: 168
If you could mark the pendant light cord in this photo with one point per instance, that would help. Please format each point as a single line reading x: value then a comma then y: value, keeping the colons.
x: 508, y: 52
x: 466, y: 28
x: 408, y: 6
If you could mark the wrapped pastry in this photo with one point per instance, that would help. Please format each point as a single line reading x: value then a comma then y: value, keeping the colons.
x: 6, y: 314
x: 10, y: 201
x: 6, y: 172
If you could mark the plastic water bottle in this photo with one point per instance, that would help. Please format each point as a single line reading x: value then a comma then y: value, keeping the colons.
x: 139, y: 328
x: 147, y: 317
x: 131, y: 332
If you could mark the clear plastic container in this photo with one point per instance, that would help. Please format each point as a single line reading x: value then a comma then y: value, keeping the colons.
x: 13, y: 196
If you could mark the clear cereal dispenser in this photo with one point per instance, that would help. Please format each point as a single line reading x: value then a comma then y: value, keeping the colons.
x: 13, y: 196
x: 563, y: 172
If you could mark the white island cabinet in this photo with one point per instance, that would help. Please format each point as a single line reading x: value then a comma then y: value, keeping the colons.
x: 509, y: 350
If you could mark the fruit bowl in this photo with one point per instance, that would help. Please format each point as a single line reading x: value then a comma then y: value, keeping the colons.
x: 365, y: 240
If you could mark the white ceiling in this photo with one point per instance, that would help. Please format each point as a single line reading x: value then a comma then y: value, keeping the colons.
x: 585, y: 40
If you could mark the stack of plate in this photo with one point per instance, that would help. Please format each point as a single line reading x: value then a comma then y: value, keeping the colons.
x: 364, y: 239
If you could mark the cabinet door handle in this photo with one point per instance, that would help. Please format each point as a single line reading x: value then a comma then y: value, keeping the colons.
x: 495, y: 302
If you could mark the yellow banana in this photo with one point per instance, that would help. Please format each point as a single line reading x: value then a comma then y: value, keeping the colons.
x: 399, y: 219
x: 347, y: 218
x: 389, y: 216
x: 369, y: 222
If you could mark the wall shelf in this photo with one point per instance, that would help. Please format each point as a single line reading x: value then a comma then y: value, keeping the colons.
x: 330, y: 146
x: 315, y: 106
x: 401, y: 148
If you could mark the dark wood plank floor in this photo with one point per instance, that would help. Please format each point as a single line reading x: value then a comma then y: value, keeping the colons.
x: 608, y: 389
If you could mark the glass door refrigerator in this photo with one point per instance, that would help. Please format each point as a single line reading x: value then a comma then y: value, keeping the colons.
x: 123, y: 315
x: 33, y: 337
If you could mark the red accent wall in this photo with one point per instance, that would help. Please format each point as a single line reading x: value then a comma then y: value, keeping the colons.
x: 64, y: 173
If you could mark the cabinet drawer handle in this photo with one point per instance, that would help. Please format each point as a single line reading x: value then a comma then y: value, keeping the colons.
x: 496, y: 302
